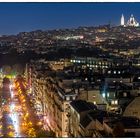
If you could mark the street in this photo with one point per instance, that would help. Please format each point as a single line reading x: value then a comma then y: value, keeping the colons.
x: 17, y: 116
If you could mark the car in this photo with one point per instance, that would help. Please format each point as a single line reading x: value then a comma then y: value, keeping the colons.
x: 20, y: 114
x: 15, y: 100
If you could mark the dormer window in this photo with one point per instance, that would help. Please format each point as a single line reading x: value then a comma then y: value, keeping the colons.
x: 67, y: 98
x: 114, y: 72
x: 124, y: 94
x: 109, y: 72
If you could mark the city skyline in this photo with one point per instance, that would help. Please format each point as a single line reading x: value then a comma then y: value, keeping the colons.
x: 20, y: 17
x: 60, y: 81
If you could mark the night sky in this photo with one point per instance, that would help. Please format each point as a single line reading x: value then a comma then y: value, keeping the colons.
x: 18, y: 17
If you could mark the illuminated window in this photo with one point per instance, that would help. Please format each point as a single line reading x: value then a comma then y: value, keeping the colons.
x: 119, y: 72
x: 124, y: 94
x: 67, y: 98
x: 116, y: 102
x: 108, y: 94
x: 109, y: 72
x: 73, y: 98
x: 76, y: 91
x: 103, y: 94
x: 86, y: 79
x: 94, y: 96
x: 112, y: 102
x: 94, y: 102
x: 114, y: 72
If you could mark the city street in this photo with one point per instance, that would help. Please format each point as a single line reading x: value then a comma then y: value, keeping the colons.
x: 17, y: 116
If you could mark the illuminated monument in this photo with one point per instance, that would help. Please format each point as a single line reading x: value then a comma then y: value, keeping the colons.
x: 131, y: 22
x: 122, y: 20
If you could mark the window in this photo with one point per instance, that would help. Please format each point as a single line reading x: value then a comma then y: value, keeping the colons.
x: 94, y: 96
x: 94, y: 102
x: 109, y: 72
x: 76, y: 91
x: 112, y: 102
x: 103, y: 94
x: 67, y: 98
x: 86, y: 79
x: 108, y: 94
x: 116, y: 102
x: 73, y: 98
x: 124, y: 94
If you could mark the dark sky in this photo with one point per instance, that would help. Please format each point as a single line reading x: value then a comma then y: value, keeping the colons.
x: 17, y: 17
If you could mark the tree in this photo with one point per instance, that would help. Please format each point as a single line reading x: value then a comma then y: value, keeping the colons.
x: 45, y: 134
x: 17, y: 68
x: 6, y: 69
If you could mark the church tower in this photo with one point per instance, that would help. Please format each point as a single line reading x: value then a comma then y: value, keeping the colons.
x: 122, y: 20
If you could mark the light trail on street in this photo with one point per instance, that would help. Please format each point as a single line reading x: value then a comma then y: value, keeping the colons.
x: 19, y: 117
x: 13, y: 114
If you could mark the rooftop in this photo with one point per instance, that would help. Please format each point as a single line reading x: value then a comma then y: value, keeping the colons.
x: 128, y: 122
x: 81, y: 106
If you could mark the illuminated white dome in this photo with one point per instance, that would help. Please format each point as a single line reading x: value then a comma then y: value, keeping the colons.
x: 132, y: 22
